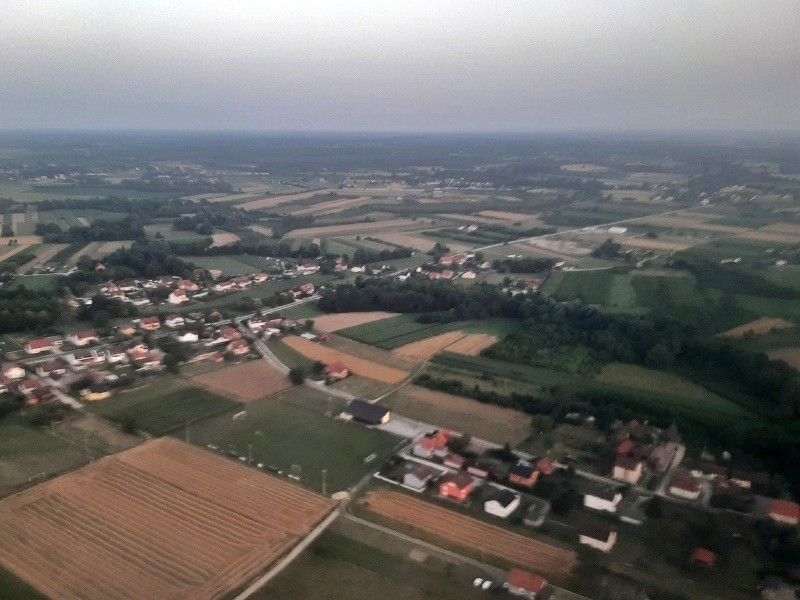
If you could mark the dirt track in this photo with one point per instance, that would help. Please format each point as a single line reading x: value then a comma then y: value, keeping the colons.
x: 164, y: 520
x: 470, y: 534
x: 247, y: 381
x: 357, y: 366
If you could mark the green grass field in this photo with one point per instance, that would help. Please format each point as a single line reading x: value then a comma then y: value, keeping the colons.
x: 231, y: 265
x: 593, y: 287
x: 36, y: 282
x: 13, y: 588
x: 171, y: 235
x: 291, y: 428
x: 164, y: 405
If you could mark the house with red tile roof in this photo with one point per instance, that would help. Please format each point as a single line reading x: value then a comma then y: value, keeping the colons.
x: 336, y: 371
x: 82, y: 338
x: 784, y: 512
x: 685, y: 486
x: 458, y: 486
x: 700, y: 557
x: 627, y: 468
x: 433, y: 445
x: 524, y: 584
x: 37, y: 346
x: 150, y: 323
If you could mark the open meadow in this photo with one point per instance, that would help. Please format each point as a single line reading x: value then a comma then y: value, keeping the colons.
x: 162, y: 520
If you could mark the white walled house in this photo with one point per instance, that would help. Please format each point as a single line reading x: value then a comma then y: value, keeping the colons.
x: 606, y: 500
x: 682, y: 486
x: 502, y: 504
x: 599, y: 538
x: 627, y: 469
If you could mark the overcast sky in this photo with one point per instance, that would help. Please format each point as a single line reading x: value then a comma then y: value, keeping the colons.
x: 462, y: 65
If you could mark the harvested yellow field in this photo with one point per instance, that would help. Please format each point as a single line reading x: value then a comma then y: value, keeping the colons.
x: 337, y: 321
x: 504, y: 215
x: 648, y: 244
x: 283, y: 199
x: 761, y: 326
x: 472, y: 344
x: 98, y: 250
x: 334, y: 230
x: 358, y: 366
x: 409, y: 241
x: 688, y: 222
x: 260, y: 229
x: 26, y: 240
x: 425, y: 349
x: 583, y: 168
x: 223, y: 239
x: 7, y: 252
x: 42, y: 257
x: 791, y: 356
x: 332, y: 206
x: 770, y: 236
x: 631, y: 195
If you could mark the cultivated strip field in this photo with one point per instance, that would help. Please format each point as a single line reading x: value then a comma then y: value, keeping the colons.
x: 337, y: 321
x: 223, y: 239
x: 358, y: 366
x: 648, y: 244
x: 689, y: 222
x: 334, y: 230
x: 789, y: 228
x: 504, y: 215
x: 43, y: 257
x: 470, y: 534
x: 260, y: 229
x: 247, y: 381
x: 770, y: 236
x: 408, y: 241
x: 163, y: 520
x: 99, y: 250
x: 472, y: 344
x: 278, y: 200
x: 331, y: 206
x: 22, y: 240
x: 424, y: 349
x: 5, y: 253
x: 761, y: 326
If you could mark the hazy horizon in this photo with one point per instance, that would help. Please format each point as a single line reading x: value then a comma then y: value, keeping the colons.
x: 412, y: 68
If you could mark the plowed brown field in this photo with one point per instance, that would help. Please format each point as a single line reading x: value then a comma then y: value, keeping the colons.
x: 761, y: 326
x: 472, y: 344
x: 357, y: 366
x: 452, y: 341
x: 247, y: 381
x: 470, y: 534
x: 163, y: 520
x: 337, y: 321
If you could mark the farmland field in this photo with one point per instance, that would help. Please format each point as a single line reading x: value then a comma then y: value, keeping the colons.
x: 337, y: 321
x: 245, y: 382
x: 172, y: 235
x: 592, y: 287
x: 336, y: 230
x: 164, y: 519
x: 98, y: 250
x: 396, y: 331
x: 231, y: 265
x: 762, y: 326
x: 648, y: 244
x: 424, y: 349
x: 331, y: 206
x: 791, y: 356
x: 486, y: 421
x: 650, y: 380
x: 358, y: 366
x: 162, y: 406
x: 282, y: 199
x: 291, y: 428
x: 470, y: 535
x: 223, y: 239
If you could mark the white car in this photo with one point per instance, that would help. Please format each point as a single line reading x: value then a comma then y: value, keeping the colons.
x: 478, y: 582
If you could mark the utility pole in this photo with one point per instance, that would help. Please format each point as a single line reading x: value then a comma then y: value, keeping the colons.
x: 324, y: 482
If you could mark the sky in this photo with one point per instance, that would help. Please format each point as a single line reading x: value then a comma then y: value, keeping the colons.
x: 401, y: 66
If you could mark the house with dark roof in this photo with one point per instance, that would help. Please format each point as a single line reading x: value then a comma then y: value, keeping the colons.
x: 523, y: 474
x: 627, y: 469
x: 524, y: 584
x: 684, y: 486
x: 605, y: 499
x: 502, y: 503
x: 457, y: 486
x: 370, y: 414
x: 419, y: 477
x: 599, y: 538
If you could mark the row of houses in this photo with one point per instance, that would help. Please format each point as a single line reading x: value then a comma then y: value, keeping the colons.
x: 49, y: 344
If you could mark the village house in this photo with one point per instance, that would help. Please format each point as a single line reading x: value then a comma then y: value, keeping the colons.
x: 174, y: 321
x: 188, y: 337
x: 784, y: 512
x: 369, y: 414
x: 26, y: 387
x: 239, y: 347
x: 480, y: 468
x: 545, y: 466
x: 167, y: 280
x: 115, y: 355
x: 83, y: 338
x: 700, y: 557
x: 80, y: 359
x: 686, y: 487
x: 178, y: 297
x: 458, y: 486
x: 606, y: 500
x: 628, y: 469
x: 433, y: 445
x: 524, y: 584
x: 224, y: 286
x: 307, y: 269
x: 51, y: 369
x: 150, y: 323
x: 145, y: 360
x: 256, y: 324
x: 523, y: 474
x: 128, y: 285
x: 336, y: 371
x: 600, y: 538
x: 187, y: 285
x: 418, y: 478
x: 96, y: 392
x: 37, y: 346
x: 241, y: 282
x: 127, y: 329
x: 455, y: 259
x: 230, y: 334
x: 536, y: 513
x: 260, y: 277
x: 13, y: 371
x: 502, y: 503
x: 455, y: 461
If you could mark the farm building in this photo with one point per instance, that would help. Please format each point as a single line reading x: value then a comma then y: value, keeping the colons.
x: 127, y: 329
x: 682, y: 486
x: 336, y: 371
x: 82, y: 338
x: 150, y: 323
x: 188, y: 285
x: 13, y: 371
x: 418, y: 478
x: 536, y: 513
x: 600, y: 538
x: 433, y: 445
x: 606, y: 499
x: 502, y: 503
x: 524, y: 474
x: 784, y: 512
x: 627, y: 469
x: 83, y: 358
x: 524, y: 584
x: 458, y: 486
x: 230, y: 334
x: 37, y: 346
x: 701, y: 557
x: 371, y: 414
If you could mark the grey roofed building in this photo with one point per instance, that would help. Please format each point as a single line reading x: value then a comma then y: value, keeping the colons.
x: 371, y: 414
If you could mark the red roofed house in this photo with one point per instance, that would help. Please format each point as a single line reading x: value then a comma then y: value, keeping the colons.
x: 627, y: 469
x: 174, y: 321
x: 433, y: 445
x: 625, y: 447
x: 37, y: 346
x: 702, y: 558
x: 13, y: 371
x: 457, y: 487
x: 230, y: 334
x: 682, y: 486
x: 784, y: 511
x: 178, y: 297
x: 150, y: 323
x: 522, y: 583
x: 455, y: 461
x: 545, y: 466
x: 239, y: 347
x: 83, y: 338
x: 188, y: 285
x: 524, y: 474
x: 336, y: 370
x: 147, y: 360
